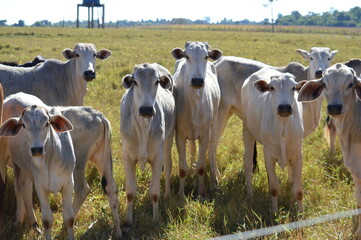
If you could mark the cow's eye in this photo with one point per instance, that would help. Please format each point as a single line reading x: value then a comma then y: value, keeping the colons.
x: 47, y: 124
x: 207, y: 57
x: 329, y: 59
x: 23, y: 125
x: 94, y: 55
x: 157, y: 82
x: 77, y: 55
x: 135, y: 83
x: 311, y: 58
x: 324, y: 85
x: 294, y: 88
x: 271, y: 88
x: 187, y: 57
x: 350, y: 85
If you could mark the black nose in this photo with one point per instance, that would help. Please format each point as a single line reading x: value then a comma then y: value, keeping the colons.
x: 146, y: 111
x: 37, y: 151
x: 197, y: 82
x: 318, y: 74
x: 334, y: 109
x: 284, y: 110
x: 89, y: 75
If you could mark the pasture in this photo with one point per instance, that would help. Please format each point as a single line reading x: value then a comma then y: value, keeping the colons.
x: 327, y: 185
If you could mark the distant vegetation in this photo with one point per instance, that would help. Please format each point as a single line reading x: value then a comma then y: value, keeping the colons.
x: 333, y: 18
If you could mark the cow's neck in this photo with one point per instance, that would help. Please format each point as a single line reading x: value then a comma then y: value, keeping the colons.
x: 143, y: 125
x: 195, y: 106
x: 78, y: 85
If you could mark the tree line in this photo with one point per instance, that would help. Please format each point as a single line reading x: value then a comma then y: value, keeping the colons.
x: 333, y: 18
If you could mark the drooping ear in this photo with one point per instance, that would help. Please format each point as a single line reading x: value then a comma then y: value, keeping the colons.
x: 333, y: 54
x: 358, y: 88
x: 165, y: 81
x: 215, y: 54
x: 128, y: 81
x: 10, y: 127
x: 300, y: 84
x: 311, y: 91
x: 60, y: 123
x: 304, y: 54
x: 178, y: 53
x: 103, y: 54
x: 68, y: 53
x: 261, y: 85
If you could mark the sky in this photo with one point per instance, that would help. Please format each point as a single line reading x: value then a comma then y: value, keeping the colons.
x: 136, y: 10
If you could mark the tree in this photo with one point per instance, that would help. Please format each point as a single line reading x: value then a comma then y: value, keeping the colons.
x: 3, y: 23
x: 270, y: 5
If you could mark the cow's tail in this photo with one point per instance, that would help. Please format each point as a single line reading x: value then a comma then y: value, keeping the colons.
x: 107, y: 157
x: 255, y: 166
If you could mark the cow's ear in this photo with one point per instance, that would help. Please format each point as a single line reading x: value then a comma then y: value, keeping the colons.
x: 60, y: 123
x: 103, y: 54
x: 178, y: 53
x: 128, y: 81
x: 261, y: 85
x: 165, y: 81
x: 215, y: 54
x: 333, y: 54
x: 68, y: 53
x: 10, y: 127
x: 311, y: 90
x: 357, y: 82
x: 304, y: 54
x: 300, y: 84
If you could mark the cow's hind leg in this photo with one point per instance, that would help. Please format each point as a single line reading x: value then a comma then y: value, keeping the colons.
x: 81, y: 188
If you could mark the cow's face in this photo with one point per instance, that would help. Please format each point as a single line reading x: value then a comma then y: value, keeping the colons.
x: 319, y: 59
x: 36, y: 123
x: 282, y: 88
x: 196, y: 55
x: 145, y: 82
x: 339, y: 85
x: 85, y: 55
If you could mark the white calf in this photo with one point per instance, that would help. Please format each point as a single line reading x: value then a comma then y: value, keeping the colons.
x: 41, y: 150
x: 147, y: 129
x: 197, y: 97
x: 272, y: 116
x: 342, y: 89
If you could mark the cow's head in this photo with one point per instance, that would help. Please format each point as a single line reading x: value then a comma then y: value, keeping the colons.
x: 319, y: 59
x: 196, y: 55
x: 282, y: 88
x: 145, y: 81
x: 85, y: 55
x: 35, y: 123
x: 339, y: 85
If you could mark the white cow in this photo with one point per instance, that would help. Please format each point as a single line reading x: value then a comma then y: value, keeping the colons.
x: 233, y: 71
x: 147, y: 129
x: 91, y: 138
x: 272, y: 116
x: 342, y: 89
x: 41, y: 150
x: 56, y: 83
x: 197, y: 97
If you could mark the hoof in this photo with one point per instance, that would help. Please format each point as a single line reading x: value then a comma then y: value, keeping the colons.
x: 126, y: 227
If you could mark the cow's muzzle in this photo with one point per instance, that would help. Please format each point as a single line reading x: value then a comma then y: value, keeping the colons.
x: 334, y: 109
x: 197, y: 83
x: 146, y: 111
x: 284, y: 110
x: 37, y: 151
x: 89, y: 75
x: 318, y: 74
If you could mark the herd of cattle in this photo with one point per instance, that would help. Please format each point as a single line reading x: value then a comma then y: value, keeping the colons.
x: 48, y: 137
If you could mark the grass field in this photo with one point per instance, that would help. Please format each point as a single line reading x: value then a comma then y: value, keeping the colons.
x: 327, y: 185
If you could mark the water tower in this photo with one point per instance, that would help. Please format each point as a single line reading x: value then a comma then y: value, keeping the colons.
x: 90, y: 4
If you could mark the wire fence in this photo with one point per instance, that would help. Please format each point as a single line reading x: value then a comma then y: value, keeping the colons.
x: 289, y: 226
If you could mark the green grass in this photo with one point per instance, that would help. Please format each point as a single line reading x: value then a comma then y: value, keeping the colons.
x: 327, y: 185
